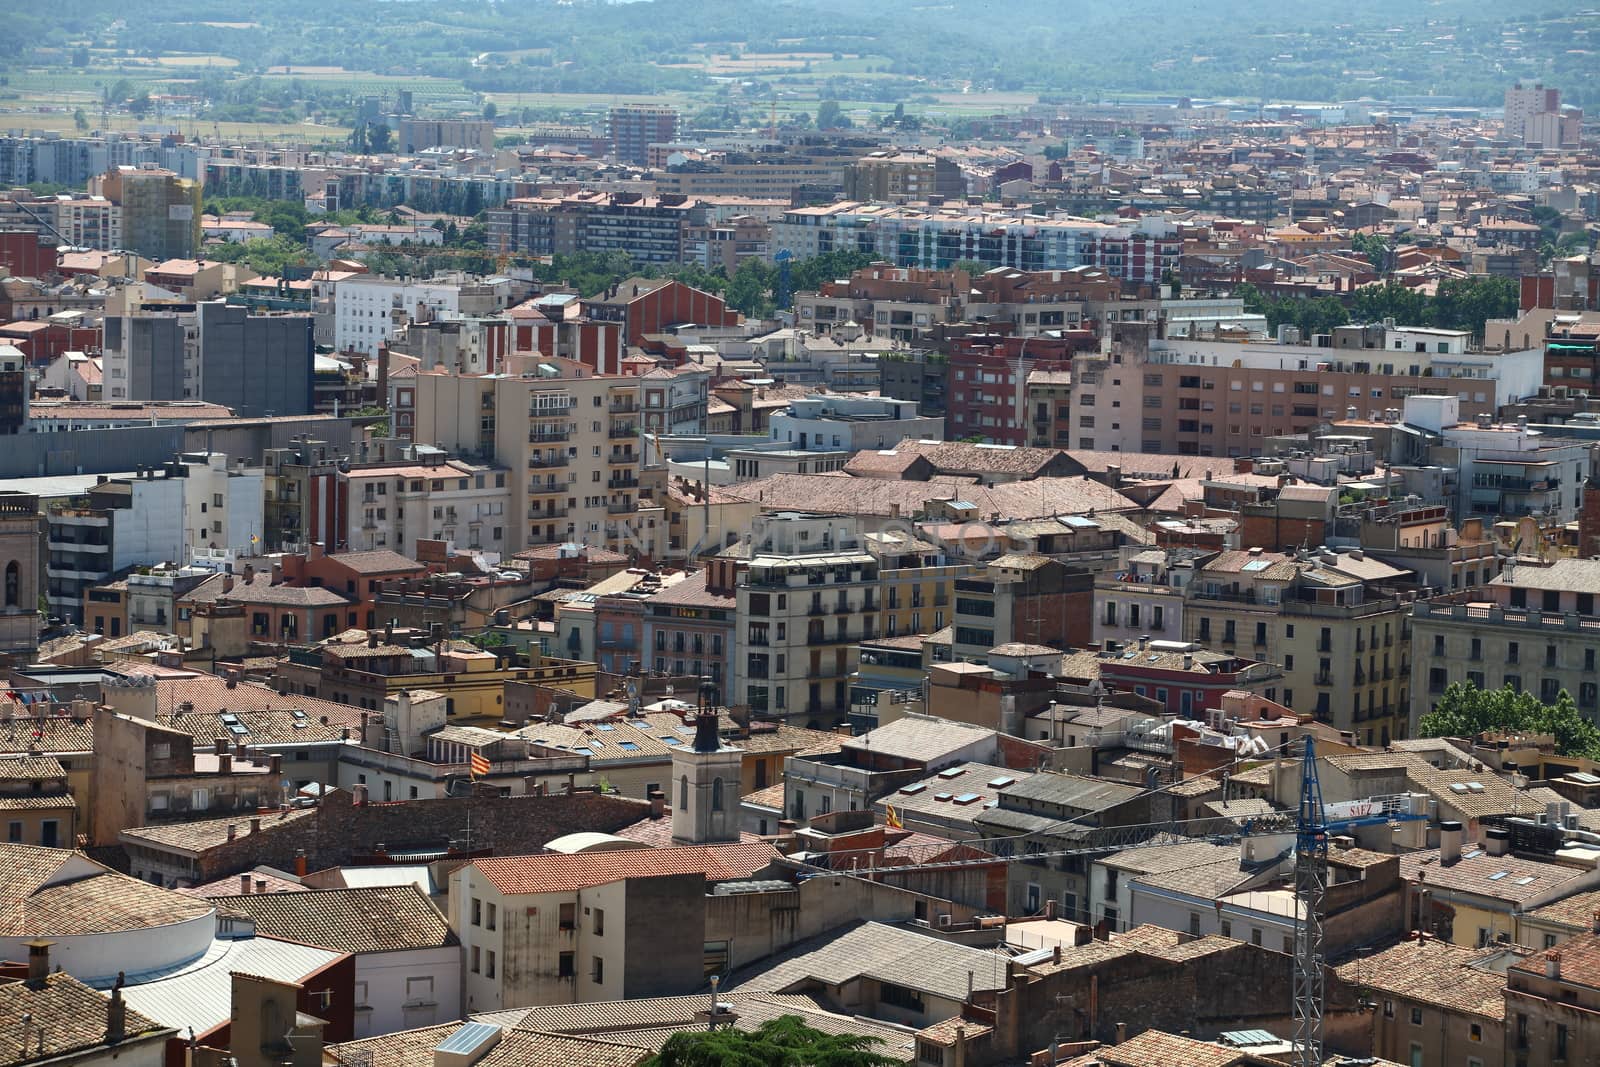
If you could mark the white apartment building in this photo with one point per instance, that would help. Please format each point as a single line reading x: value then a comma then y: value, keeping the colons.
x: 673, y: 400
x: 396, y: 505
x: 369, y: 310
x: 223, y: 506
x: 852, y: 423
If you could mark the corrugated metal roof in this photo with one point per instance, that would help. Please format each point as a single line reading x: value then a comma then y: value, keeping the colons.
x: 201, y: 994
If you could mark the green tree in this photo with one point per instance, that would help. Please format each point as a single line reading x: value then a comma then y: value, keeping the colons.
x: 830, y: 117
x: 750, y: 289
x: 490, y: 111
x: 80, y: 120
x: 1466, y: 711
x: 781, y: 1042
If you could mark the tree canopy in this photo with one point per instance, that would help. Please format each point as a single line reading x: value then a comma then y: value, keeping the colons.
x: 782, y: 1042
x: 1466, y: 711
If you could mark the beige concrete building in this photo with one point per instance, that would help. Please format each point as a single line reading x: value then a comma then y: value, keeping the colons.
x: 1436, y: 1003
x: 569, y: 437
x: 568, y: 929
x: 807, y: 600
x: 1338, y: 623
x: 1531, y: 627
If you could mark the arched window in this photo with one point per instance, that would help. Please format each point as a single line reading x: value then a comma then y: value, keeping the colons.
x: 683, y: 793
x: 716, y: 794
x: 13, y: 583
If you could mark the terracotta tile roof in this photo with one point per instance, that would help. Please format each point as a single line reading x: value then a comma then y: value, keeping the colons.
x: 59, y: 801
x: 1576, y: 912
x: 22, y: 768
x: 892, y: 954
x: 68, y: 1018
x: 196, y: 837
x: 555, y: 873
x: 963, y: 457
x: 210, y: 693
x: 1580, y: 961
x: 47, y: 892
x: 1512, y: 878
x: 56, y: 734
x: 770, y: 797
x: 377, y: 561
x: 362, y: 920
x: 263, y: 877
x: 1432, y: 972
x: 406, y: 1048
x: 692, y: 591
x: 1156, y: 1048
x: 833, y: 494
x: 1484, y: 793
x: 523, y: 1048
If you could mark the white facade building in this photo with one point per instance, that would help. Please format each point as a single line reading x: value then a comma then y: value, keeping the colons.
x: 368, y: 310
x: 396, y: 506
x: 852, y: 423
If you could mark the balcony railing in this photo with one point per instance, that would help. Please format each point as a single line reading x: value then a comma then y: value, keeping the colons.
x: 623, y: 430
x: 552, y: 459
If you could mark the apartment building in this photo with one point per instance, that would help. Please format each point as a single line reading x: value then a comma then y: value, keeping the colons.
x: 807, y: 599
x: 646, y: 229
x: 767, y: 177
x: 911, y: 236
x: 852, y: 423
x: 1339, y: 624
x: 1531, y: 628
x: 397, y: 505
x: 160, y: 210
x: 1021, y: 598
x: 416, y: 135
x: 1505, y: 470
x: 568, y: 438
x: 898, y: 177
x: 673, y: 400
x: 1143, y: 596
x: 1180, y: 396
x: 633, y: 128
x: 916, y: 584
x: 86, y: 221
x: 368, y: 311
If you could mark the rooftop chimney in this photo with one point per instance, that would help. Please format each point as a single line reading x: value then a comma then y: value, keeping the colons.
x: 255, y: 825
x: 261, y: 885
x: 1497, y: 842
x: 233, y: 831
x: 38, y: 961
x: 300, y: 863
x: 1449, y: 842
x: 116, y: 1013
x: 244, y: 885
x: 1552, y: 965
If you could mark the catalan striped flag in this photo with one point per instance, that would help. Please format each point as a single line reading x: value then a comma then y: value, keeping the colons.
x: 893, y: 819
x: 479, y: 765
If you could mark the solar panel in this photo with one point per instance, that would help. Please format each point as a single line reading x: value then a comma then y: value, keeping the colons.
x: 1497, y: 875
x: 1257, y: 565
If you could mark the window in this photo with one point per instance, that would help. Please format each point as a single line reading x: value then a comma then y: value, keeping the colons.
x: 566, y: 965
x: 1416, y: 1016
x: 599, y: 921
x: 1255, y: 937
x: 477, y: 912
x: 568, y: 919
x: 475, y: 960
x: 489, y: 919
x: 1476, y: 1033
x: 900, y: 997
x: 1388, y: 1009
x: 1194, y: 924
x: 488, y: 970
x: 597, y: 972
x: 716, y: 794
x: 1561, y: 1041
x: 419, y: 989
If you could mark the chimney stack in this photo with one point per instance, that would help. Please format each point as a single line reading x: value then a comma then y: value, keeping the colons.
x: 244, y: 885
x: 261, y: 885
x: 299, y: 863
x: 255, y: 825
x: 1450, y: 834
x: 38, y: 962
x: 658, y: 804
x: 116, y: 1013
x: 233, y: 831
x: 1552, y: 965
x: 1496, y: 841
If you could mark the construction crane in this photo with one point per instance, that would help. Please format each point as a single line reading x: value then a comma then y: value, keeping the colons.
x: 1310, y: 893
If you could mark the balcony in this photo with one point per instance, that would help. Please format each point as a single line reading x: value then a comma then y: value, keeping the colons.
x: 625, y: 507
x: 816, y: 608
x: 557, y: 512
x: 620, y: 458
x: 621, y: 430
x: 550, y: 407
x: 1323, y: 678
x: 548, y: 434
x: 546, y: 488
x: 622, y: 483
x: 547, y: 461
x: 842, y: 608
x: 623, y: 407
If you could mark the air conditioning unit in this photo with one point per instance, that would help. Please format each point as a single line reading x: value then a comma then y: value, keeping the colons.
x: 944, y: 920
